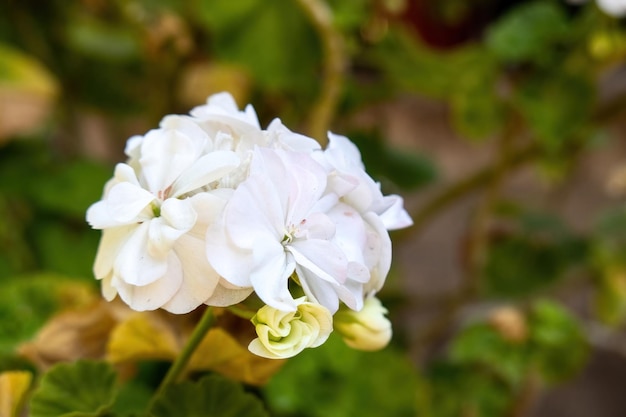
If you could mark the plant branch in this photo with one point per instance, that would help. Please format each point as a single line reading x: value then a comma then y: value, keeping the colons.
x: 479, y: 179
x: 515, y: 158
x: 178, y: 367
x: 477, y: 230
x: 334, y: 66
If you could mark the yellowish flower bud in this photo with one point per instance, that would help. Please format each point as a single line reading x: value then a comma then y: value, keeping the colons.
x: 510, y: 323
x: 367, y: 329
x: 283, y: 334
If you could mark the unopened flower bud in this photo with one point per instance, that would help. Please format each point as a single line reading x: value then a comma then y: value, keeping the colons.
x: 510, y: 323
x: 367, y: 329
x: 283, y: 334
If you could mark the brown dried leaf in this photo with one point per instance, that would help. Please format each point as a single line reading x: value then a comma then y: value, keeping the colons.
x: 158, y: 335
x: 72, y: 335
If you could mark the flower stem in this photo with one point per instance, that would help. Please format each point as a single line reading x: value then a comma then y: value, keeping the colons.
x: 334, y: 67
x: 179, y: 365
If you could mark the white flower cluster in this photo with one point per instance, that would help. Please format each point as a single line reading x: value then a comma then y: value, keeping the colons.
x: 615, y: 8
x: 210, y: 208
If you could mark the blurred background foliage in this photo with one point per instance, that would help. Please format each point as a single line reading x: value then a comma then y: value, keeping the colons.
x: 536, y: 83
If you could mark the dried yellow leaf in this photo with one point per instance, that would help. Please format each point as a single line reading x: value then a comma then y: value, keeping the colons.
x: 143, y: 336
x: 13, y: 388
x: 219, y: 351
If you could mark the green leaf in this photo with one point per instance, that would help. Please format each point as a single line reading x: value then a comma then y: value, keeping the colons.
x: 273, y: 40
x: 71, y: 188
x: 65, y: 250
x: 405, y: 169
x: 461, y: 390
x: 560, y: 348
x: 79, y: 389
x: 133, y: 397
x: 23, y: 72
x: 93, y: 38
x: 528, y: 33
x: 556, y: 106
x: 212, y: 396
x: 35, y: 298
x: 330, y: 381
x: 477, y: 111
x: 482, y: 344
x: 409, y: 65
x: 534, y: 252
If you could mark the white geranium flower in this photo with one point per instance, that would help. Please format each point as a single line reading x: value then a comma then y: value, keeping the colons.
x: 240, y: 132
x: 616, y: 8
x: 285, y: 334
x: 280, y: 221
x: 152, y: 250
x: 344, y: 159
x: 367, y: 329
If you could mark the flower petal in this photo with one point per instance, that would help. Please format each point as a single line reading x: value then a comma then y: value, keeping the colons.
x: 199, y: 279
x: 255, y: 213
x: 166, y: 154
x: 393, y: 214
x: 134, y: 265
x: 209, y: 168
x: 126, y: 201
x: 319, y: 291
x: 155, y: 294
x: 111, y: 242
x: 230, y: 261
x: 227, y: 295
x: 270, y: 278
x: 378, y: 254
x: 321, y: 257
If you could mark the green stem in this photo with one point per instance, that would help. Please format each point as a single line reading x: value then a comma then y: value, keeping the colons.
x: 458, y: 190
x: 241, y: 312
x: 179, y: 365
x: 334, y: 67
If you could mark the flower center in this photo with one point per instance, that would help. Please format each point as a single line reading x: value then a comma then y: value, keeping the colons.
x: 290, y: 234
x: 164, y: 194
x: 156, y: 209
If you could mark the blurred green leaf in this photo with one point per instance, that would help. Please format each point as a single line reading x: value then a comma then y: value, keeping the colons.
x: 609, y: 260
x: 65, y: 187
x: 94, y: 38
x: 405, y: 169
x: 79, y: 389
x: 609, y: 238
x: 535, y: 253
x: 70, y: 188
x: 65, y: 250
x: 559, y: 346
x: 528, y: 33
x: 486, y: 370
x: 556, y: 106
x: 477, y: 111
x: 350, y: 15
x: 459, y: 390
x: 133, y: 398
x: 268, y: 39
x: 20, y: 71
x: 409, y: 65
x: 331, y: 380
x: 482, y: 345
x: 211, y: 396
x: 35, y: 298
